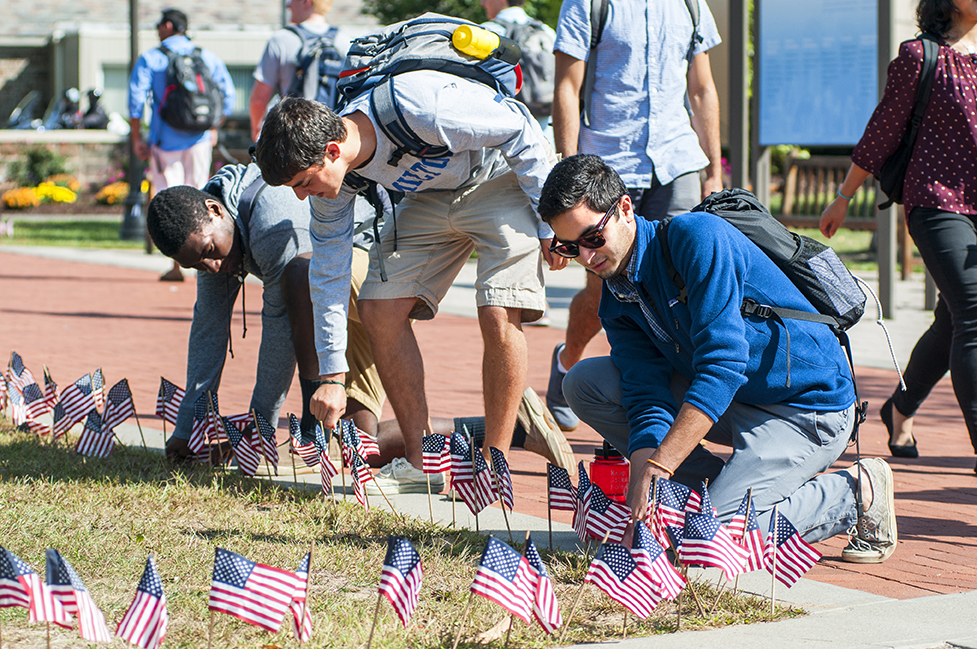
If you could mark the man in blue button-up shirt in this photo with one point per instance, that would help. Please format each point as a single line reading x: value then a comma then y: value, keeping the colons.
x: 175, y: 157
x: 654, y: 119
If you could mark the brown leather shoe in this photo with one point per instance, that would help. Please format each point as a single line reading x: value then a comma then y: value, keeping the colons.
x: 543, y: 436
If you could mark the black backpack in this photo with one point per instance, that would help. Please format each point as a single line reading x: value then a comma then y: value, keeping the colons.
x: 192, y: 101
x: 812, y: 267
x: 815, y: 269
x: 892, y: 175
x: 537, y: 63
x: 318, y: 66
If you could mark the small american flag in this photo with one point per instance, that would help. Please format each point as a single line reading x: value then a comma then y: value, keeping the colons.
x: 546, y: 610
x: 614, y: 571
x: 3, y: 391
x: 98, y: 387
x: 67, y: 588
x: 77, y: 399
x: 746, y: 531
x: 168, y: 400
x: 355, y: 442
x: 241, y: 420
x: 19, y: 376
x: 61, y: 421
x: 360, y: 472
x: 21, y: 586
x: 50, y: 389
x: 327, y: 471
x: 563, y: 495
x: 400, y: 581
x: 306, y: 449
x: 704, y: 506
x: 581, y: 507
x: 94, y: 441
x: 794, y: 555
x: 504, y: 577
x: 118, y: 406
x: 650, y: 557
x: 461, y: 458
x: 503, y: 479
x: 477, y: 492
x: 672, y: 502
x: 34, y: 402
x: 252, y: 592
x: 18, y: 411
x: 144, y: 624
x: 268, y: 445
x: 706, y: 542
x: 248, y: 453
x: 301, y: 617
x: 435, y: 450
x: 208, y: 427
x: 606, y: 515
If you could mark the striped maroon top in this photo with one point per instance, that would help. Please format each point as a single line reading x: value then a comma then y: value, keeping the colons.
x: 943, y: 171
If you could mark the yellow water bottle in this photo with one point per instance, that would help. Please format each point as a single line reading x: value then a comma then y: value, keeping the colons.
x: 475, y: 41
x: 482, y: 43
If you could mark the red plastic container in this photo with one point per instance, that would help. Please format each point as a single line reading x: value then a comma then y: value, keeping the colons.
x: 610, y: 471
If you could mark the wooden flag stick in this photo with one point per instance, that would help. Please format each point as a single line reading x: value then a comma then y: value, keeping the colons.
x: 48, y: 635
x: 773, y: 571
x: 471, y: 439
x: 261, y: 441
x: 685, y: 572
x: 430, y: 504
x: 210, y: 630
x: 210, y: 413
x: 749, y: 503
x: 464, y: 618
x: 549, y: 508
x: 576, y: 599
x: 387, y: 500
x: 144, y: 447
x: 512, y: 618
x: 722, y: 589
x: 454, y: 497
x: 376, y: 613
x: 305, y: 604
x: 624, y: 632
x: 505, y: 516
x: 342, y: 464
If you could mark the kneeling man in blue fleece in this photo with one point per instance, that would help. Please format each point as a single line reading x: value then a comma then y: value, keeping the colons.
x: 683, y: 371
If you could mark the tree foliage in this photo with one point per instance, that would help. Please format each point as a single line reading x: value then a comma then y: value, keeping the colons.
x: 392, y: 11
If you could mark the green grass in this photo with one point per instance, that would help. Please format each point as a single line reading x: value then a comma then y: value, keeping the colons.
x: 106, y: 515
x: 69, y: 233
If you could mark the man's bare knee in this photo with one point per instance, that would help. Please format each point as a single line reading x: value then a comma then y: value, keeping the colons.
x: 377, y: 315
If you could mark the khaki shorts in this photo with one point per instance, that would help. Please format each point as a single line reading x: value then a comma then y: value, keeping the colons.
x: 362, y: 379
x: 435, y: 234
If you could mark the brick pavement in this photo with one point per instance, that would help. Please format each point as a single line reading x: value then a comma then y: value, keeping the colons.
x: 74, y: 317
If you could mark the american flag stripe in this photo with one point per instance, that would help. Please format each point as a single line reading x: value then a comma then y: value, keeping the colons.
x: 118, y: 405
x: 98, y: 388
x: 503, y: 478
x: 435, y: 451
x: 142, y: 624
x: 91, y: 622
x: 546, y: 610
x: 77, y: 399
x: 562, y: 494
x: 269, y: 445
x: 327, y: 471
x: 43, y: 606
x: 35, y: 404
x: 401, y: 578
x: 248, y: 456
x: 50, y: 389
x: 12, y: 594
x: 94, y: 444
x: 615, y: 572
x: 264, y: 599
x: 20, y: 376
x: 794, y: 555
x: 706, y: 542
x: 496, y: 588
x: 168, y: 400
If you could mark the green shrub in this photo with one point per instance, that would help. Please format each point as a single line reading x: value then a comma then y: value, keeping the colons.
x: 392, y: 11
x: 36, y: 164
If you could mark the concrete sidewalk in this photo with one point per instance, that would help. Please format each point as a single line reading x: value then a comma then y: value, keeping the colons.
x: 922, y: 597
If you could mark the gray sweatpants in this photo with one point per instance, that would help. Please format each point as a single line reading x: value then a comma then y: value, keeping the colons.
x: 778, y: 450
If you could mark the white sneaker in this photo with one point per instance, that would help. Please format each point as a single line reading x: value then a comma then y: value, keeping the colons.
x: 400, y: 477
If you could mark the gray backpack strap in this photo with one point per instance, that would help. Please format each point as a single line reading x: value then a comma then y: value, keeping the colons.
x: 245, y: 204
x: 693, y: 7
x: 395, y: 128
x: 598, y: 9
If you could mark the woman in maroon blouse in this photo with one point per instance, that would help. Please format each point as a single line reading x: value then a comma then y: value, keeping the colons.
x: 940, y: 196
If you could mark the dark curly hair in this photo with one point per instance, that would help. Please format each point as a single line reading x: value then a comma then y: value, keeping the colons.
x: 294, y: 138
x: 935, y: 16
x: 579, y: 179
x: 173, y: 215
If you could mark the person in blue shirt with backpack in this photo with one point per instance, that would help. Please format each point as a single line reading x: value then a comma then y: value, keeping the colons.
x: 288, y: 49
x: 684, y: 368
x: 178, y: 154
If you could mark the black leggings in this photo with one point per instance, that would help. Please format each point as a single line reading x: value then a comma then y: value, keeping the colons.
x: 947, y: 243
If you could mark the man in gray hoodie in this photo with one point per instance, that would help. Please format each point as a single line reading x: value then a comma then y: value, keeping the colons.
x: 237, y: 226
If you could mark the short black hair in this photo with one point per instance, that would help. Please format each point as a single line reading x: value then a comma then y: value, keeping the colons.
x: 294, y: 138
x: 174, y: 214
x: 579, y: 179
x: 176, y: 18
x: 935, y: 16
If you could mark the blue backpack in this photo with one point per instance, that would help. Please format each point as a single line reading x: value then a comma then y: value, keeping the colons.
x: 318, y: 67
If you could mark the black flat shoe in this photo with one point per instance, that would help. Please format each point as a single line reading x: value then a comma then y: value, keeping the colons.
x: 909, y: 450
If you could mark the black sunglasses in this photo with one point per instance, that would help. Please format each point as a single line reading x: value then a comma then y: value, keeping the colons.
x: 592, y: 241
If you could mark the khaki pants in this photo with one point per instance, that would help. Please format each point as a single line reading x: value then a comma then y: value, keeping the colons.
x: 362, y: 380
